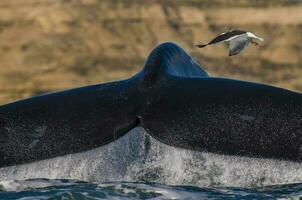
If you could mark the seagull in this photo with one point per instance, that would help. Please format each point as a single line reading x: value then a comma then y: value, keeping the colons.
x: 238, y: 40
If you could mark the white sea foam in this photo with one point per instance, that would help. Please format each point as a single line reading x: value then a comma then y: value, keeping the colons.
x: 138, y: 157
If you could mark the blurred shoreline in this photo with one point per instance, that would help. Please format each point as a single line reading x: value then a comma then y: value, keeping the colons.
x: 48, y: 45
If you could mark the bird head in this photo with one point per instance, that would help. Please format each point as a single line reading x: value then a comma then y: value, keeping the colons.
x: 255, y: 40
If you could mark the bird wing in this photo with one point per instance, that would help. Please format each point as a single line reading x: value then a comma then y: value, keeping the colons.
x: 238, y: 44
x: 227, y: 35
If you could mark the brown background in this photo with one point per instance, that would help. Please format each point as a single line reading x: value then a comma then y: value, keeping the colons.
x: 48, y: 45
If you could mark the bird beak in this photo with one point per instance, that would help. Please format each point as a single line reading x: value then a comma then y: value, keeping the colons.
x: 260, y: 39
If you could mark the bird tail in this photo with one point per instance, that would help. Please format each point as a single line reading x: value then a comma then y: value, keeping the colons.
x: 200, y: 45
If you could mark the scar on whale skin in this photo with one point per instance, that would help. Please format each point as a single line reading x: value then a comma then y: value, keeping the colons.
x: 40, y: 131
x: 246, y: 117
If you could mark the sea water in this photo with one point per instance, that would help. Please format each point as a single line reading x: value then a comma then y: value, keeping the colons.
x: 137, y: 166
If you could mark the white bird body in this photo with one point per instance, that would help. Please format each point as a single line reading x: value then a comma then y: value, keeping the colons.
x: 237, y: 40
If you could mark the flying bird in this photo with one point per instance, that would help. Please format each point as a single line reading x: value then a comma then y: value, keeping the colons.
x: 237, y: 40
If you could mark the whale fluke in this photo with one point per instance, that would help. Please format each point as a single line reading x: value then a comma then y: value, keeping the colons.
x: 173, y: 99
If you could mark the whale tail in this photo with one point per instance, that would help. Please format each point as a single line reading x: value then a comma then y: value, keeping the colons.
x: 172, y: 98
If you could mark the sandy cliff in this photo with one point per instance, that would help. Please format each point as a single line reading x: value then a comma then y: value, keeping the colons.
x: 48, y: 45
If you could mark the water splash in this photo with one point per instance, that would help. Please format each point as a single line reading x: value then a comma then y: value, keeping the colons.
x: 138, y: 157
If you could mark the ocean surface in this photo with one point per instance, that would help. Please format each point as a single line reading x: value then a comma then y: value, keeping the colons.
x: 68, y: 189
x: 136, y: 166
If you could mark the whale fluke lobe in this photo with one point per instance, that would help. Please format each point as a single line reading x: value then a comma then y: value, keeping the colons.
x: 173, y: 99
x: 194, y: 111
x: 67, y: 122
